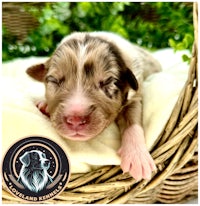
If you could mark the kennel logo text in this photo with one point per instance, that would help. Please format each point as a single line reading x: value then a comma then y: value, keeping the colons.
x: 35, y: 169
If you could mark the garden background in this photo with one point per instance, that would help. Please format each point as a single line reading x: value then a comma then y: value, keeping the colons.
x: 151, y: 25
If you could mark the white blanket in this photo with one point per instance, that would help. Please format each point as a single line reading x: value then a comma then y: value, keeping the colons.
x: 21, y: 118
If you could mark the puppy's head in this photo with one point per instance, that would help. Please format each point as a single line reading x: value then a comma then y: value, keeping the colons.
x: 86, y: 82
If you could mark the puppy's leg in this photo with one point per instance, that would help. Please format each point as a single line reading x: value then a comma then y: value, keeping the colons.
x: 135, y: 157
x: 43, y: 107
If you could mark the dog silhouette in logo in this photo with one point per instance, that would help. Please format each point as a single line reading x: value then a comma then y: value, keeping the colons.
x: 33, y: 174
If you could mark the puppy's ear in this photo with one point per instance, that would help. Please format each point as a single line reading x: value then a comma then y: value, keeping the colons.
x: 25, y: 159
x: 132, y: 81
x: 37, y: 72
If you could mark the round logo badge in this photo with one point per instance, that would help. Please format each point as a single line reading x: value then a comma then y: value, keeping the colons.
x: 35, y: 169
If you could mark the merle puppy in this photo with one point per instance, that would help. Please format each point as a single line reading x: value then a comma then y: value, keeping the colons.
x: 93, y: 79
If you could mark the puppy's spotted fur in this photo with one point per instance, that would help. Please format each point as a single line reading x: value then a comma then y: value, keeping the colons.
x: 93, y: 79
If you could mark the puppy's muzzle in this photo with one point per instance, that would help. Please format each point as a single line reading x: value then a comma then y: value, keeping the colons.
x: 78, y: 119
x: 76, y: 122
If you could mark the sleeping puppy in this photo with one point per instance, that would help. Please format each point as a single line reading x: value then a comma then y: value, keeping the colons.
x: 33, y: 174
x: 93, y: 79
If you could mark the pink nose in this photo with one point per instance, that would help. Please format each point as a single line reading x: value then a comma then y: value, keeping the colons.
x: 76, y: 122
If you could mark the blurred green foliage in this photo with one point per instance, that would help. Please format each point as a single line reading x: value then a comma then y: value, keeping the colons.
x: 151, y: 25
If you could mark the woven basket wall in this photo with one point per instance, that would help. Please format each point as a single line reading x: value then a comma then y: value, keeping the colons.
x: 17, y: 20
x: 175, y: 154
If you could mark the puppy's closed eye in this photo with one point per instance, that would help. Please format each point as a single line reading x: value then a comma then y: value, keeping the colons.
x: 51, y: 79
x: 109, y: 86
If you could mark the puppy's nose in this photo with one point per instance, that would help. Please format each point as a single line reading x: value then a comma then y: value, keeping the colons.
x: 75, y: 121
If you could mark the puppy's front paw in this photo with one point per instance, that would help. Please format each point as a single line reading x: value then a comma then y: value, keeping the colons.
x: 135, y: 157
x: 43, y: 107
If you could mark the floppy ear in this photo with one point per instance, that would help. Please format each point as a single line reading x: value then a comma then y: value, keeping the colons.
x: 132, y: 79
x: 37, y: 72
x: 25, y: 159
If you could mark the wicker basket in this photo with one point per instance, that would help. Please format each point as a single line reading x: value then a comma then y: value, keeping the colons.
x: 175, y: 154
x: 17, y: 20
